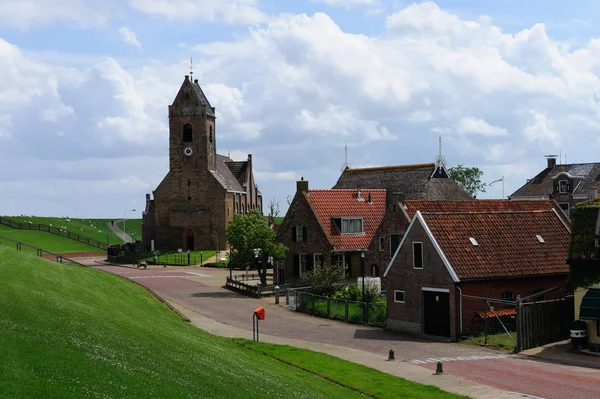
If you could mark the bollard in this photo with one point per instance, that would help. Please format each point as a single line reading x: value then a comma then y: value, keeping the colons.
x: 391, y: 355
x: 276, y: 295
x: 438, y: 369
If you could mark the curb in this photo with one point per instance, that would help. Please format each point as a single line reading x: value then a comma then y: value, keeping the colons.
x: 564, y: 362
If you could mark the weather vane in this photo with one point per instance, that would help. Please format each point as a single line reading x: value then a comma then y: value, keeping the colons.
x: 191, y: 67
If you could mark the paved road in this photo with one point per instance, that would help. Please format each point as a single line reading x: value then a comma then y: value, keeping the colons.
x: 117, y: 230
x: 198, y: 290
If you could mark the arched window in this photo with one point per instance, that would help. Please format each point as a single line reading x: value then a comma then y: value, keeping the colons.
x: 187, y: 133
x: 235, y: 207
x: 210, y: 133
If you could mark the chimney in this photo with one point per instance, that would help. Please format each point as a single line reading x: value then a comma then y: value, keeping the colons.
x: 147, y: 197
x: 398, y: 197
x: 187, y: 77
x: 302, y: 185
x: 551, y: 161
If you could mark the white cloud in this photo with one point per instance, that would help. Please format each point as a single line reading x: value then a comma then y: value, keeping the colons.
x: 27, y: 14
x: 229, y: 11
x: 372, y: 4
x: 129, y: 37
x: 5, y: 126
x: 539, y: 129
x: 265, y: 176
x: 472, y: 125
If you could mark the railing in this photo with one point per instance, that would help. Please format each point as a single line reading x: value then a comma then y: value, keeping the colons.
x: 53, y: 230
x: 252, y: 290
x: 39, y: 251
x: 337, y: 309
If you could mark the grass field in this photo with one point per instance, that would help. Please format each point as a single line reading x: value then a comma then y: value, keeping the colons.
x: 497, y: 340
x: 41, y: 239
x: 132, y: 224
x: 68, y: 331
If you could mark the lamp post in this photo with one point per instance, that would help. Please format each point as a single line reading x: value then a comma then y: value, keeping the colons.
x: 362, y: 268
x: 107, y: 237
x: 134, y: 246
x: 496, y: 181
x: 256, y: 254
x: 124, y: 221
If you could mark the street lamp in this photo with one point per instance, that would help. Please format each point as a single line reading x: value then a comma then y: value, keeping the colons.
x: 107, y: 237
x: 362, y: 268
x: 496, y: 181
x: 124, y: 221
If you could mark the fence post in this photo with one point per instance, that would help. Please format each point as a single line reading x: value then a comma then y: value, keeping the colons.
x: 346, y: 313
x: 485, y: 322
x: 287, y: 297
x: 366, y: 315
x: 328, y: 306
x: 313, y: 303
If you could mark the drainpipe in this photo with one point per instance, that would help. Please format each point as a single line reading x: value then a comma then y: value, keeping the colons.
x: 460, y: 321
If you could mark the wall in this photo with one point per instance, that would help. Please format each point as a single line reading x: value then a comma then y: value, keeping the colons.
x: 408, y: 316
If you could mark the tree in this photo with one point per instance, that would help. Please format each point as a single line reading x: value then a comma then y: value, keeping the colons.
x: 323, y: 279
x: 468, y: 178
x: 273, y: 212
x: 249, y: 232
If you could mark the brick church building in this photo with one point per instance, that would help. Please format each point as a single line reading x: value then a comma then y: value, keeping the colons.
x: 193, y: 204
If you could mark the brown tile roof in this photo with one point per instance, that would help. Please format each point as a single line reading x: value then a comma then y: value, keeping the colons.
x: 485, y: 205
x: 587, y: 176
x: 225, y: 176
x: 507, y: 243
x: 328, y: 204
x: 414, y: 181
x: 498, y: 313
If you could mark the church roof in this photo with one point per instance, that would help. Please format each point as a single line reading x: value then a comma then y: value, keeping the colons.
x: 202, y: 98
x: 225, y: 176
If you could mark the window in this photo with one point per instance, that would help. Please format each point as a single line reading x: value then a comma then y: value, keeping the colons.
x: 187, y: 133
x: 506, y: 296
x: 235, y: 207
x: 398, y: 296
x: 374, y: 271
x: 189, y: 183
x: 418, y: 255
x: 303, y: 264
x: 210, y: 134
x: 382, y: 243
x: 394, y: 243
x: 565, y: 207
x: 563, y: 186
x: 348, y: 226
x: 339, y: 258
x: 299, y: 234
x: 318, y: 259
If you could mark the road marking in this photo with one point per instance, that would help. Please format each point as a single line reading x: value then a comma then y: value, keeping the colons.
x: 459, y: 358
x: 524, y: 395
x: 199, y: 274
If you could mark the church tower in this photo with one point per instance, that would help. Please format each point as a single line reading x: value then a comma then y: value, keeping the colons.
x: 192, y: 138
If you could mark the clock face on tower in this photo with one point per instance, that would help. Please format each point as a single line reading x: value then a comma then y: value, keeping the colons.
x: 188, y: 151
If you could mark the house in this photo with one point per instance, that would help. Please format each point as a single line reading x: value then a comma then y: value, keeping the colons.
x: 196, y: 200
x: 401, y: 211
x: 584, y: 264
x: 567, y: 184
x: 328, y: 227
x: 483, y: 249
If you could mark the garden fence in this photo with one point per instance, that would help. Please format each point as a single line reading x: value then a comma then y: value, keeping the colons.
x: 336, y: 309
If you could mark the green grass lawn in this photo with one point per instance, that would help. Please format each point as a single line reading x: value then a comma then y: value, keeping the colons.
x: 42, y: 239
x: 132, y: 224
x: 498, y: 340
x: 91, y: 228
x: 68, y: 331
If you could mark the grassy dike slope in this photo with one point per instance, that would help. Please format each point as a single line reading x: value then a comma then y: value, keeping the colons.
x: 68, y: 331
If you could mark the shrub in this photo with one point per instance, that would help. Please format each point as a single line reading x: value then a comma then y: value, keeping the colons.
x: 324, y: 278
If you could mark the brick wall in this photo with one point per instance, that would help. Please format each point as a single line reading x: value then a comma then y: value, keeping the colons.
x: 300, y: 214
x: 408, y: 316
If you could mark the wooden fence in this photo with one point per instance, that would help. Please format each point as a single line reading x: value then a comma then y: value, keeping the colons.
x: 39, y: 251
x: 544, y: 322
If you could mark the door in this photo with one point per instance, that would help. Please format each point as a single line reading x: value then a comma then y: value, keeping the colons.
x: 436, y: 313
x: 188, y: 240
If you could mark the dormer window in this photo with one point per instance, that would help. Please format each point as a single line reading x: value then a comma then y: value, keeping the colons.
x: 563, y: 186
x: 349, y: 225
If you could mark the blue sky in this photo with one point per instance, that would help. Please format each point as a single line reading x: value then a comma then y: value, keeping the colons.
x: 85, y: 85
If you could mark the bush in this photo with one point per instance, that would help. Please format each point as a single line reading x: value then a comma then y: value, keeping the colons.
x: 324, y: 278
x: 348, y: 292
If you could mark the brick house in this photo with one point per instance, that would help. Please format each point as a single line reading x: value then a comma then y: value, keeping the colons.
x: 567, y: 184
x: 489, y: 251
x: 202, y: 190
x: 328, y: 227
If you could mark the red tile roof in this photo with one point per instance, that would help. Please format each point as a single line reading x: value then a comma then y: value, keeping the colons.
x: 491, y: 205
x: 507, y: 243
x: 378, y: 168
x: 498, y: 313
x: 328, y: 204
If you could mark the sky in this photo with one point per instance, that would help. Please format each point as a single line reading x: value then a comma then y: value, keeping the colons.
x: 85, y: 86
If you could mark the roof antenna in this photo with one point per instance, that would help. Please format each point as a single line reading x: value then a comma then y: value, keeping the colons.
x: 560, y: 156
x: 191, y: 69
x: 345, y: 165
x: 440, y: 161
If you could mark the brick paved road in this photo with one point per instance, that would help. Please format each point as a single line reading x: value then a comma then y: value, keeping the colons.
x: 202, y: 294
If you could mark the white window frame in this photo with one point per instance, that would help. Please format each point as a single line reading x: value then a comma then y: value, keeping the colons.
x: 560, y: 186
x: 302, y: 260
x: 403, y: 296
x: 347, y: 219
x: 300, y: 234
x: 566, y: 212
x: 315, y: 259
x: 382, y: 244
x: 413, y: 255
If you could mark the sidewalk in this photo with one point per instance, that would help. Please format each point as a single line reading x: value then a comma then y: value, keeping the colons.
x: 563, y: 353
x: 396, y: 368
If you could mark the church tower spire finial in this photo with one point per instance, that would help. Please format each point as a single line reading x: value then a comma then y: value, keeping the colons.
x: 191, y: 69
